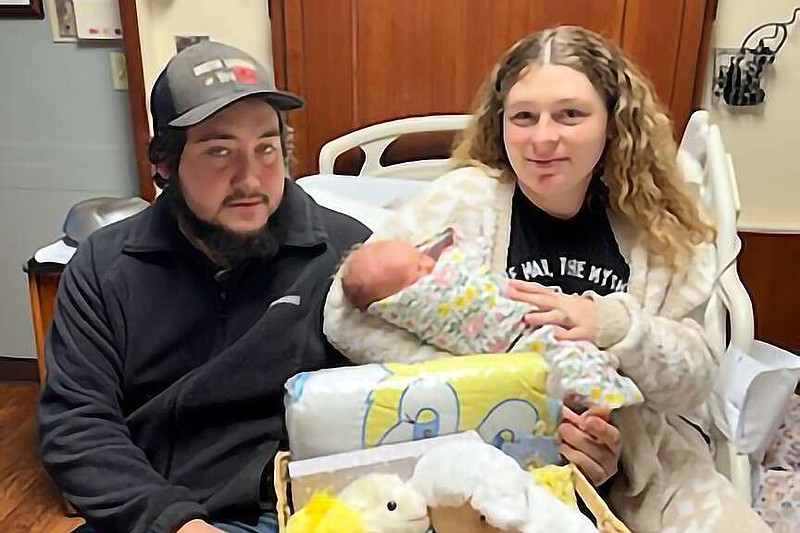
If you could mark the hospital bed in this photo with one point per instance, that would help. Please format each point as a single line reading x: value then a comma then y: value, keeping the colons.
x: 378, y: 188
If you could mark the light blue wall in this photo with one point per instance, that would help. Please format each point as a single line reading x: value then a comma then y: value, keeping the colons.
x: 65, y: 135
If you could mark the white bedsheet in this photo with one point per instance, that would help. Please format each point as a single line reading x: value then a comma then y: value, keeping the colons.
x: 388, y: 193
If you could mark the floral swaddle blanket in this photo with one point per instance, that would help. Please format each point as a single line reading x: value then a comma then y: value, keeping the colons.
x: 778, y: 500
x: 459, y: 307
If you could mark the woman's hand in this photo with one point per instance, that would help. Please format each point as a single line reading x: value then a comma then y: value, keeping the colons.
x: 198, y: 526
x: 575, y: 316
x: 591, y: 443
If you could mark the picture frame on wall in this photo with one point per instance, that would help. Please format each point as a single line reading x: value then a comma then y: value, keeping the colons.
x: 62, y: 21
x: 21, y: 9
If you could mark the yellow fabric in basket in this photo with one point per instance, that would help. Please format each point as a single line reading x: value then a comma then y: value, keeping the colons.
x: 326, y: 514
x: 558, y: 480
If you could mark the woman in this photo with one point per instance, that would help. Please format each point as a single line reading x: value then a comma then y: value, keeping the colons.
x: 568, y: 174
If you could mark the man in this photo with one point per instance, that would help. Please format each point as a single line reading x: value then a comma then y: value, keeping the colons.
x: 175, y: 330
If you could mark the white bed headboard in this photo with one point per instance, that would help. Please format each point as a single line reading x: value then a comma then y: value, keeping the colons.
x: 374, y: 140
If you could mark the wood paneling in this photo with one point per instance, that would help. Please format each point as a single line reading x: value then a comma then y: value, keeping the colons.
x: 651, y: 37
x: 703, y: 55
x: 432, y: 60
x: 696, y: 24
x: 768, y: 266
x: 29, y: 501
x: 43, y: 289
x: 605, y: 17
x: 33, y: 10
x: 278, y: 38
x: 319, y: 53
x: 358, y: 62
x: 137, y: 97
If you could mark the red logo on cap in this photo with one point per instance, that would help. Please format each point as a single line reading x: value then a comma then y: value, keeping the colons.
x: 245, y: 75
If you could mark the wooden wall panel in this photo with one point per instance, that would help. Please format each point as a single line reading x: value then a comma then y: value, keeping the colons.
x: 396, y: 58
x: 137, y: 97
x: 697, y: 18
x: 319, y: 68
x: 651, y: 37
x: 428, y: 59
x: 278, y: 40
x: 405, y: 65
x: 703, y: 54
x: 358, y: 62
x: 768, y: 266
x: 43, y: 289
x: 604, y: 17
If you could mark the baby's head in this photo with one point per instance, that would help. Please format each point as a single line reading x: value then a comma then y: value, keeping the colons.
x: 380, y: 269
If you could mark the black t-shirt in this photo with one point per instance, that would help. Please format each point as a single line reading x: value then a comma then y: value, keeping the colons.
x: 574, y: 255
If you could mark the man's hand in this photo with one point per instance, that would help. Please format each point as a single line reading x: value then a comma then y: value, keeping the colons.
x: 198, y: 526
x: 591, y: 443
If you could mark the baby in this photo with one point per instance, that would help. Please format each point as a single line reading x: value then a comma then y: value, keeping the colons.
x: 440, y: 293
x: 378, y: 270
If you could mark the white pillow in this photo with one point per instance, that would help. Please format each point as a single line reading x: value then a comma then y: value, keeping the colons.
x: 370, y: 215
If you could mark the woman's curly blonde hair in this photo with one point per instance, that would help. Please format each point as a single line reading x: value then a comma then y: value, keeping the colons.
x: 637, y: 177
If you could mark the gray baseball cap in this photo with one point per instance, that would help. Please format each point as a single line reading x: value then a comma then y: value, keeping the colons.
x: 206, y: 77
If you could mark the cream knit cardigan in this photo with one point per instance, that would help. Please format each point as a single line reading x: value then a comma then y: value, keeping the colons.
x: 652, y: 333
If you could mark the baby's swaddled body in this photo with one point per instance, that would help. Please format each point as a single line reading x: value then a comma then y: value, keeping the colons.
x: 442, y: 293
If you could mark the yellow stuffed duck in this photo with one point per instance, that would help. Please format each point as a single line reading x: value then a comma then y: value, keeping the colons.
x: 375, y: 503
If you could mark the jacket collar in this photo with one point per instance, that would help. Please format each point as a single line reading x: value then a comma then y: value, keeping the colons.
x: 157, y: 228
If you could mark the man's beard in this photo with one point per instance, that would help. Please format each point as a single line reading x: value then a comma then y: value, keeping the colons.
x: 225, y: 247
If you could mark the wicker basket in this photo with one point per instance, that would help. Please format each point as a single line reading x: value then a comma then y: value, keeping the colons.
x: 606, y: 521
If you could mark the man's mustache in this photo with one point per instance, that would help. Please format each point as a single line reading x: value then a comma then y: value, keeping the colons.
x: 245, y: 197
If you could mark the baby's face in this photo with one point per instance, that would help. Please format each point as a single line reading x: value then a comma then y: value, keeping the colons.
x: 387, y: 267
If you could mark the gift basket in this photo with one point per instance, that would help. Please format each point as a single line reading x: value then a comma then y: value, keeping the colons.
x: 440, y: 444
